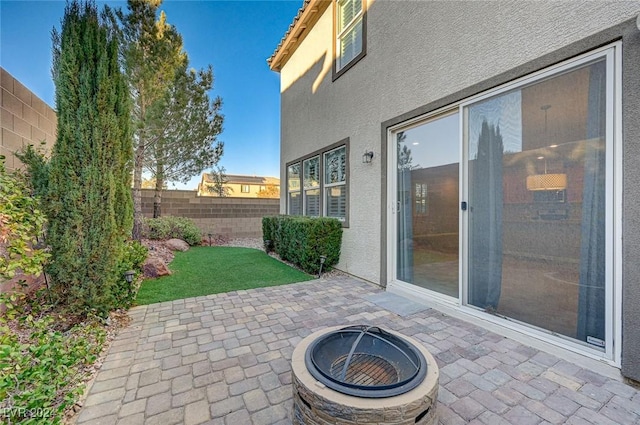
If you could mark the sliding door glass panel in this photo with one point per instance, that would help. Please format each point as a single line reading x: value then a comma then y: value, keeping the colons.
x: 427, y: 204
x: 537, y: 203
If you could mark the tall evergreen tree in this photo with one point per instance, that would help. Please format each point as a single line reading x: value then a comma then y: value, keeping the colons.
x: 88, y: 204
x: 153, y: 54
x: 185, y: 127
x: 176, y: 123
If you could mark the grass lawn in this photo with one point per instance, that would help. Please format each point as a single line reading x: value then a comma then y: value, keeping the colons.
x: 205, y: 270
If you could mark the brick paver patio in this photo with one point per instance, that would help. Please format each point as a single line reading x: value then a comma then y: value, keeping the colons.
x: 224, y: 359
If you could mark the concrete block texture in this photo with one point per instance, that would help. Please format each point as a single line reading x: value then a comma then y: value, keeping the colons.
x: 26, y: 120
x: 22, y: 93
x: 11, y: 103
x: 228, y: 217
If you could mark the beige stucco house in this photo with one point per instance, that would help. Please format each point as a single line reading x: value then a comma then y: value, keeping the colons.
x: 481, y: 155
x: 239, y: 186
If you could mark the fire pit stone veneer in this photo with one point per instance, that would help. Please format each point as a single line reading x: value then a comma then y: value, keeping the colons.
x: 316, y: 404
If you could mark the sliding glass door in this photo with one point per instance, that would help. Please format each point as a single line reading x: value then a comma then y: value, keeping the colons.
x: 427, y: 164
x: 523, y: 228
x: 537, y: 207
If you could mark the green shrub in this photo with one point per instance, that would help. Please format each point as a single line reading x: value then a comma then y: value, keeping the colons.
x: 43, y: 361
x: 21, y: 222
x: 269, y: 226
x: 37, y: 168
x: 172, y: 227
x: 303, y: 240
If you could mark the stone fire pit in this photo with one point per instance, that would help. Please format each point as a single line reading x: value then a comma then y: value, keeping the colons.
x: 316, y: 403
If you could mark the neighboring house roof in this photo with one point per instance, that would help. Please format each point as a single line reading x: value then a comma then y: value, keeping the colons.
x: 306, y: 18
x: 239, y: 179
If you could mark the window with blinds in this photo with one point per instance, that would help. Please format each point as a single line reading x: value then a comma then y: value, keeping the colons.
x: 317, y: 183
x: 311, y: 181
x: 335, y: 183
x: 294, y: 201
x: 349, y: 31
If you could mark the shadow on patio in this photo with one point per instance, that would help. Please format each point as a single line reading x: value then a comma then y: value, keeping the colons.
x: 225, y: 359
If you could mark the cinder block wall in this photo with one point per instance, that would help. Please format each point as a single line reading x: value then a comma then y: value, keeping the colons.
x: 25, y: 119
x: 229, y: 217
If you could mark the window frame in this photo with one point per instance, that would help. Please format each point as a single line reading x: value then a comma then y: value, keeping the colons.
x: 243, y: 186
x: 362, y: 17
x: 611, y: 54
x: 332, y: 185
x: 306, y: 188
x: 320, y: 154
x: 290, y: 191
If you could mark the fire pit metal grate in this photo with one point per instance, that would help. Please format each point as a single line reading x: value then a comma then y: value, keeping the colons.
x: 365, y: 369
x: 365, y: 361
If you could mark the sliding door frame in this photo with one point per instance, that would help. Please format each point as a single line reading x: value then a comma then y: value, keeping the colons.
x: 613, y: 231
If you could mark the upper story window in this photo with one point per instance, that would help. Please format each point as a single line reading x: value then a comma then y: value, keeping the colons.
x: 244, y: 188
x: 350, y: 34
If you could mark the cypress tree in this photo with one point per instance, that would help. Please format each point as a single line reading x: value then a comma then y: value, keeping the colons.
x: 88, y: 204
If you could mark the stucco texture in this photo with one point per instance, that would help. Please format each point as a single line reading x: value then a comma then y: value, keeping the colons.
x: 417, y: 52
x: 631, y: 205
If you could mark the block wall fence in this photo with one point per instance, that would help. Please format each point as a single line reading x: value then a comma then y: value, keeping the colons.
x: 25, y: 119
x: 229, y: 217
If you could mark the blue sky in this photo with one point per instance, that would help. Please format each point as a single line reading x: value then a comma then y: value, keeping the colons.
x: 236, y: 37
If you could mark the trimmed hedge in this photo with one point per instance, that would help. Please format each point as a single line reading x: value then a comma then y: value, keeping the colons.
x: 302, y: 240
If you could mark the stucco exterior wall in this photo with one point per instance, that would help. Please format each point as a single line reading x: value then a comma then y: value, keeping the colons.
x: 631, y: 206
x: 25, y: 120
x: 417, y: 52
x: 424, y: 55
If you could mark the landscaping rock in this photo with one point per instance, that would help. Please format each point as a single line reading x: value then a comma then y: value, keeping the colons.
x: 158, y: 249
x: 155, y: 267
x: 176, y: 245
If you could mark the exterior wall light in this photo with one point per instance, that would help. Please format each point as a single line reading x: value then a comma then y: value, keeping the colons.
x: 367, y: 157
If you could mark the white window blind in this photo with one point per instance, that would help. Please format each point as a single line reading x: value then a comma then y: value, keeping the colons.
x: 294, y: 204
x: 311, y: 172
x: 350, y: 30
x: 335, y: 178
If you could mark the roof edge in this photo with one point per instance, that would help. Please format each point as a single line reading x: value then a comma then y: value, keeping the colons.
x: 306, y: 18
